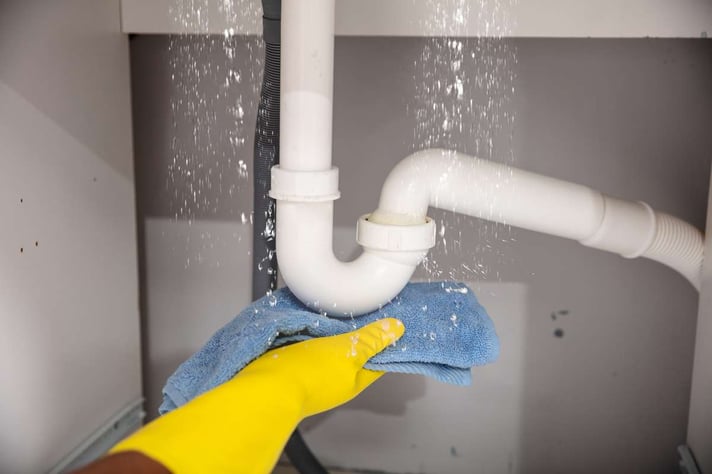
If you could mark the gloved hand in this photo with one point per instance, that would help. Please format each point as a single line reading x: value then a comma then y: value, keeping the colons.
x: 242, y: 425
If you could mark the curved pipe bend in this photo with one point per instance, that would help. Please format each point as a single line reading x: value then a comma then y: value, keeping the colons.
x: 479, y: 188
x: 438, y: 178
x: 319, y: 279
x: 496, y: 192
x: 488, y: 190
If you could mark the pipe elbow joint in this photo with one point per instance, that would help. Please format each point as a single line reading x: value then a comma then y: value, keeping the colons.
x: 343, y: 289
x: 346, y: 289
x: 409, y: 188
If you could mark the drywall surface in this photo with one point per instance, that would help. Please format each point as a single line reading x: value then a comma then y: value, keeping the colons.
x: 69, y: 344
x: 522, y: 18
x: 700, y: 428
x: 188, y: 300
x: 605, y: 345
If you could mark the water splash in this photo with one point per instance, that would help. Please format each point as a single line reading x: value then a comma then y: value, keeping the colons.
x: 209, y: 127
x: 272, y: 299
x: 215, y: 81
x: 464, y: 91
x: 353, y: 351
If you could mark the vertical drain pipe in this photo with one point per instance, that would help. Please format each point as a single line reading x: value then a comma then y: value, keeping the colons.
x: 266, y: 155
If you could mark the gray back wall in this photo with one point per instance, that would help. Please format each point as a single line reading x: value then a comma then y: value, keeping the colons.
x: 628, y: 117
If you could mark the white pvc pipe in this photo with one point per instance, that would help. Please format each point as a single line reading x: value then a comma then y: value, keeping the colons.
x: 488, y: 190
x: 304, y: 183
x: 452, y: 181
x: 319, y: 279
x: 307, y: 84
x: 480, y: 188
x: 395, y: 237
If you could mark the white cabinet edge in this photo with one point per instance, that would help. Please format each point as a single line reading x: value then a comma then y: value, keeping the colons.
x: 699, y: 431
x: 125, y: 422
x: 525, y: 18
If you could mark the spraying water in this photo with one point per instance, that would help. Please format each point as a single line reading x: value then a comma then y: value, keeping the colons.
x: 464, y: 90
x: 215, y: 80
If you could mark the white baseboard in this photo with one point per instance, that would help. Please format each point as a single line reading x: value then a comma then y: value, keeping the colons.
x: 115, y: 429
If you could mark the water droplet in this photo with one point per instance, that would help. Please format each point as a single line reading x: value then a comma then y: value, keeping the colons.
x: 464, y: 91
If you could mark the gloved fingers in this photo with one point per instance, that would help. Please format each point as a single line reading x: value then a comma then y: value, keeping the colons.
x: 373, y: 338
x: 326, y: 372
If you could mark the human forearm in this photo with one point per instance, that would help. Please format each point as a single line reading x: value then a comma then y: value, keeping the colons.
x: 121, y: 463
x: 239, y: 427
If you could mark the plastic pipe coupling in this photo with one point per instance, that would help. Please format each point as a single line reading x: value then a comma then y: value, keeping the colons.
x: 395, y: 237
x: 305, y: 186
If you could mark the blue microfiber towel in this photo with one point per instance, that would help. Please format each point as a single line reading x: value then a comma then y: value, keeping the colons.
x: 447, y: 333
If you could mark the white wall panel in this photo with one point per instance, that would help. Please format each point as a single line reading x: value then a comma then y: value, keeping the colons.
x: 199, y: 279
x: 700, y: 424
x: 69, y: 343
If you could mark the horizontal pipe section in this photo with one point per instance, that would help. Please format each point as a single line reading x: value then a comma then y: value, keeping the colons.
x: 452, y: 181
x: 449, y: 180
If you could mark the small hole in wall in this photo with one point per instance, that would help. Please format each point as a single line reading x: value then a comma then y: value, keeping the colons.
x: 21, y: 200
x: 22, y: 250
x: 559, y: 333
x: 37, y: 244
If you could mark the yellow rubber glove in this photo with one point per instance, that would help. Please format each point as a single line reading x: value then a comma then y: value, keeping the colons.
x: 243, y: 425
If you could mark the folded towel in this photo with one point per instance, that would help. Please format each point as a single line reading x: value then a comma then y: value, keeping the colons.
x: 447, y: 332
